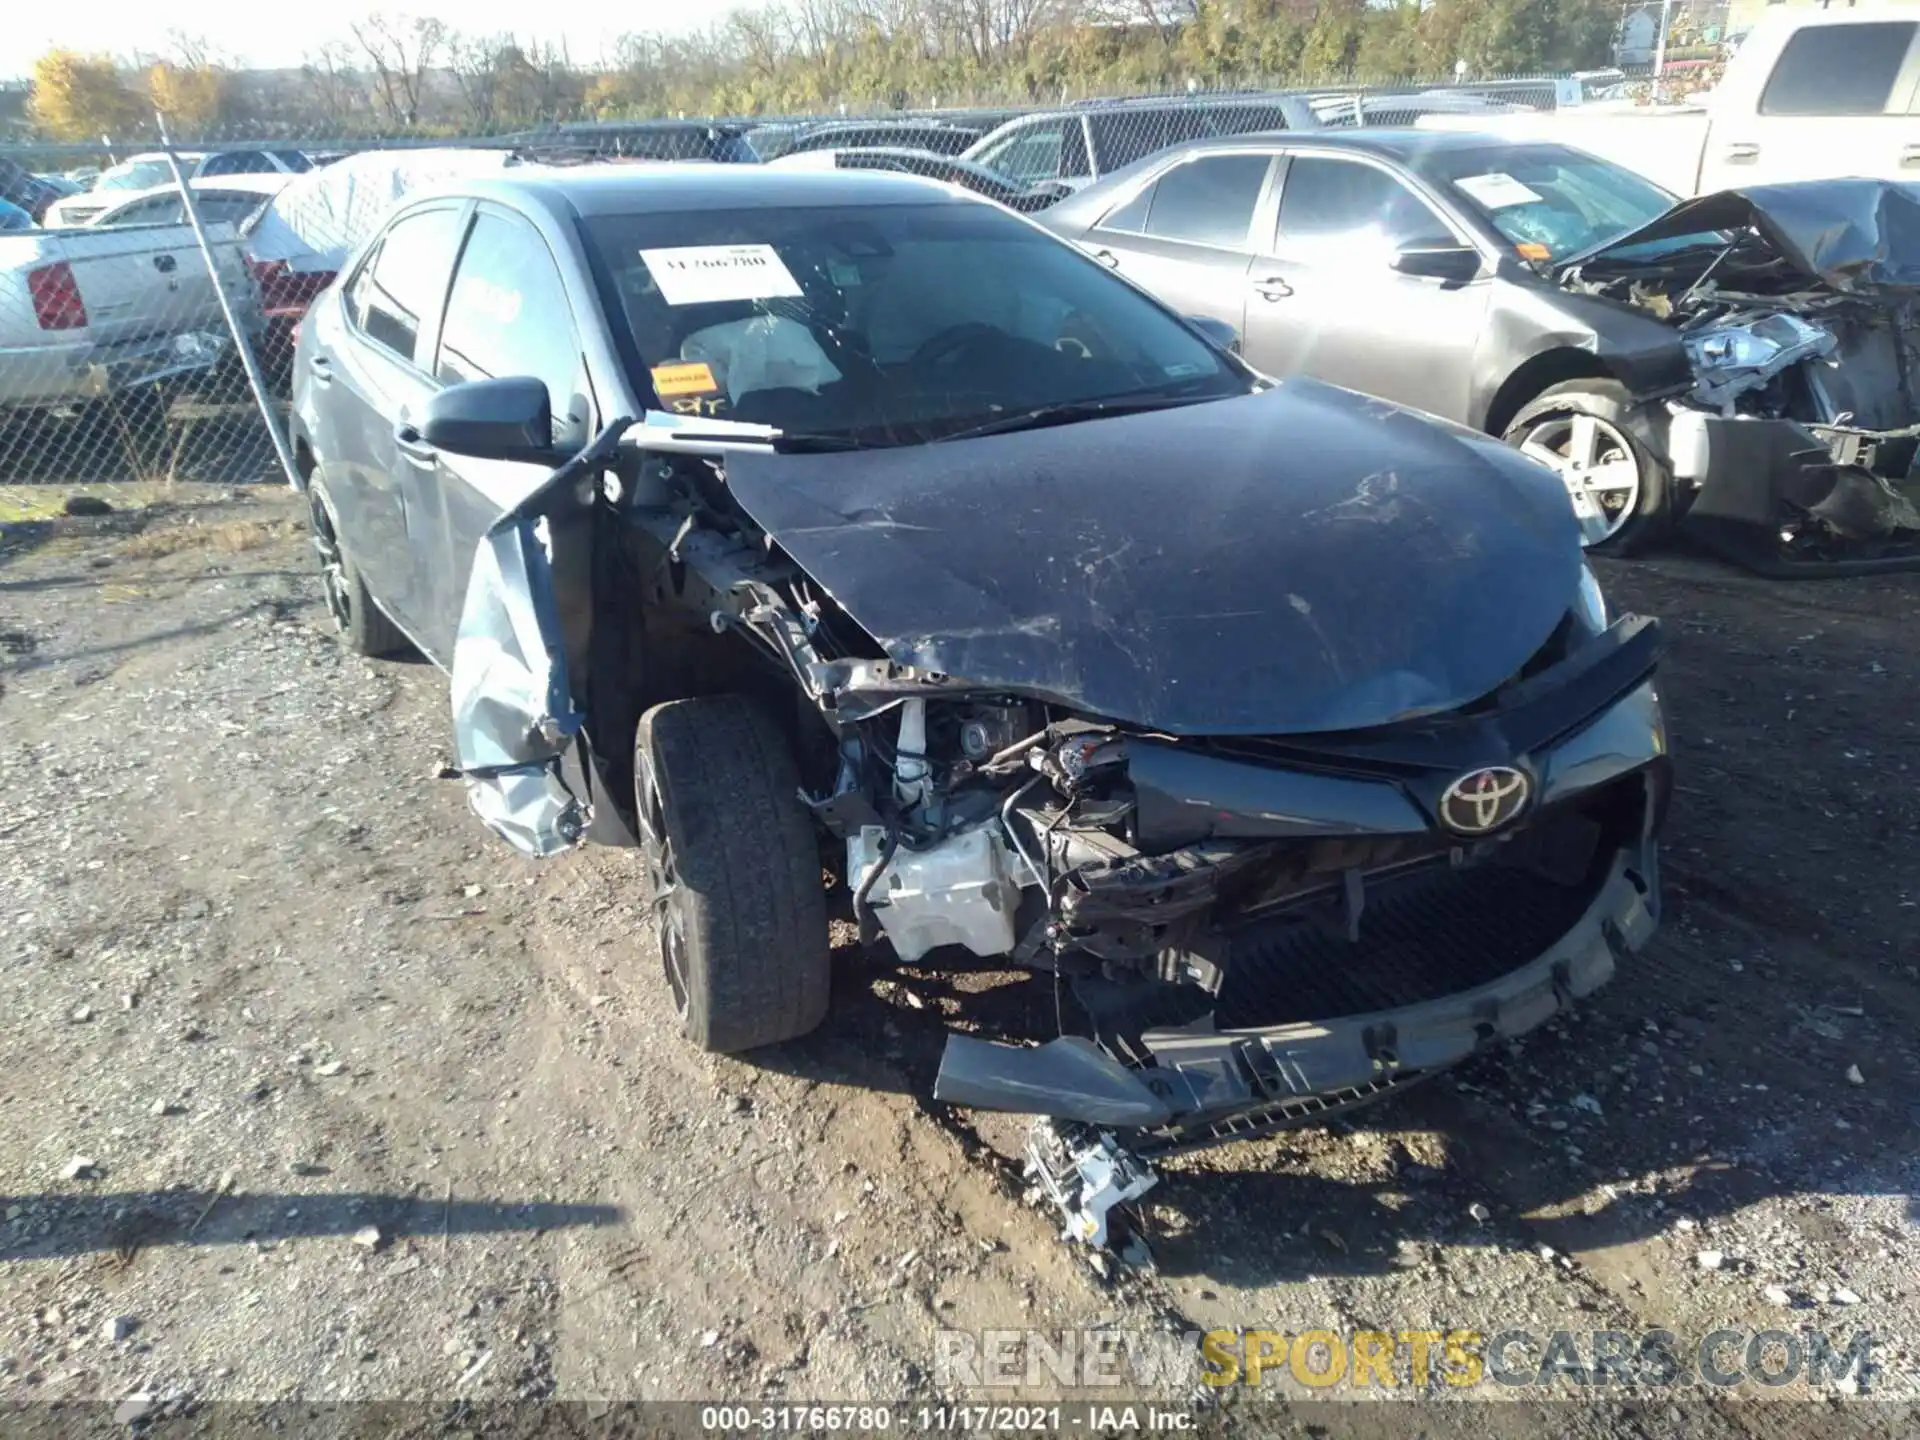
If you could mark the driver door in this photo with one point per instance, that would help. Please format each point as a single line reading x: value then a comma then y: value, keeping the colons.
x: 1324, y: 300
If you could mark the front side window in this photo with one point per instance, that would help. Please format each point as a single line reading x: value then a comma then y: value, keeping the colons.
x: 406, y: 278
x: 1343, y: 210
x: 507, y: 313
x: 1209, y: 201
x: 1838, y: 69
x: 884, y: 325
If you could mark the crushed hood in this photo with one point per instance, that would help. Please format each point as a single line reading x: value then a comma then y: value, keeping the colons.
x: 1849, y: 234
x: 1301, y: 560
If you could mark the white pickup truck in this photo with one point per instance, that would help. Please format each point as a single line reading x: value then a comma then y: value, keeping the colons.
x: 1811, y: 94
x: 86, y: 313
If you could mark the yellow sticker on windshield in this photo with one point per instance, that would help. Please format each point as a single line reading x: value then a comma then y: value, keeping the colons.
x: 1532, y: 250
x: 693, y: 377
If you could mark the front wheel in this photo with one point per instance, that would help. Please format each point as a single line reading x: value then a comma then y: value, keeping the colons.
x: 1620, y: 490
x: 733, y: 873
x: 363, y: 626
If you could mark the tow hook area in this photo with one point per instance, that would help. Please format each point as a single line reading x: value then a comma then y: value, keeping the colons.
x: 1085, y: 1172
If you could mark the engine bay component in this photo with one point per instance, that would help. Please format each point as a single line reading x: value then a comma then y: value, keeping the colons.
x: 1086, y: 1173
x: 959, y: 891
x: 1731, y: 359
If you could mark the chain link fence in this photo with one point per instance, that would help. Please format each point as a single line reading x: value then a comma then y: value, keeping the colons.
x: 125, y: 330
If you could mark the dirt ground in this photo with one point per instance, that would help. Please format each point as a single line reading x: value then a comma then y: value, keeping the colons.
x: 370, y: 1108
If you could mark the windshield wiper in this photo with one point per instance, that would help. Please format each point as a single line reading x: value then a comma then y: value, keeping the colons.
x: 1071, y: 412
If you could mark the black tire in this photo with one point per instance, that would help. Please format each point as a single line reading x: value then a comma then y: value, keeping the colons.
x: 733, y: 870
x: 1648, y: 514
x: 364, y: 627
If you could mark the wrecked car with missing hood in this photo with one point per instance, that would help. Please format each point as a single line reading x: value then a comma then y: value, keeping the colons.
x: 1739, y: 367
x: 1283, y: 729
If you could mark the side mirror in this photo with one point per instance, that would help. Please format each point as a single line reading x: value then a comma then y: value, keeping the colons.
x: 509, y: 419
x: 1439, y: 262
x: 1223, y: 335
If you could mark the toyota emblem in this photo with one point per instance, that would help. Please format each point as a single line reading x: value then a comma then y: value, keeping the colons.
x: 1481, y: 801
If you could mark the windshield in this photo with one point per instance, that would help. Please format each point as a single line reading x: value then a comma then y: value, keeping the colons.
x: 886, y: 324
x: 1551, y: 202
x: 136, y: 175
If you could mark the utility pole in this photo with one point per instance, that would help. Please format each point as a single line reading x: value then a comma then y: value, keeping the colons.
x: 1660, y: 51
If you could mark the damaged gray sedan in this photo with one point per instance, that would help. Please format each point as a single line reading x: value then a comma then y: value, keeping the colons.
x: 1284, y: 728
x: 1739, y: 367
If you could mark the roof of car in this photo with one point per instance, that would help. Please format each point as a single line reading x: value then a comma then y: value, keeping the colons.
x: 689, y: 185
x: 1394, y: 142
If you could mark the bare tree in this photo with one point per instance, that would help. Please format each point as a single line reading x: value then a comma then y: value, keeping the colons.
x: 401, y: 50
x: 475, y: 62
x: 334, y: 89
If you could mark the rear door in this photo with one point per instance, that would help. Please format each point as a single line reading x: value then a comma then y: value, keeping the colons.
x: 1838, y: 101
x: 375, y: 384
x: 1187, y: 234
x: 1326, y: 302
x: 507, y: 314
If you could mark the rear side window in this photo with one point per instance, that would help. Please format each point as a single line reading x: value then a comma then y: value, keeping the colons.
x: 402, y: 282
x: 1838, y: 69
x: 508, y: 313
x: 231, y: 206
x: 1050, y: 149
x: 1121, y: 137
x: 1209, y: 201
x: 239, y: 162
x: 160, y: 210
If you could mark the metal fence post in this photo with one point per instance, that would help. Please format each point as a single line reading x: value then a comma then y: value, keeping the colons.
x: 243, y: 345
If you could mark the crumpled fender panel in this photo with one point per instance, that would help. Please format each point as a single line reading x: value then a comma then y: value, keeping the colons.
x: 513, y: 714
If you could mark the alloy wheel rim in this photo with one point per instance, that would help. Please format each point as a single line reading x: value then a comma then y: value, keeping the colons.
x: 664, y: 896
x: 333, y: 569
x: 1596, y: 462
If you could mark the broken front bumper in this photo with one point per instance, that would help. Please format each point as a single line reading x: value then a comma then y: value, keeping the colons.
x: 1207, y: 1087
x: 1446, y: 960
x: 1782, y: 498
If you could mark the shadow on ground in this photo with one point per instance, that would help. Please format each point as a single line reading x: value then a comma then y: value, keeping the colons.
x: 127, y: 1222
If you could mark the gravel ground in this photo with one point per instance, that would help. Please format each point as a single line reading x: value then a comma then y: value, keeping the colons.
x: 317, y: 1092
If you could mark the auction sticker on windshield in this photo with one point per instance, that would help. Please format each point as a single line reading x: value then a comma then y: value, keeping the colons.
x: 1497, y: 191
x: 703, y: 274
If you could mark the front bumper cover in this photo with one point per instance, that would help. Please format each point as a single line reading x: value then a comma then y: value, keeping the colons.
x: 1758, y: 480
x: 1207, y: 1086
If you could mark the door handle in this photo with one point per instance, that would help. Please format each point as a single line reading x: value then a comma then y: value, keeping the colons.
x: 407, y: 441
x: 1910, y: 155
x: 1107, y: 258
x: 321, y: 368
x: 165, y: 264
x: 1272, y: 287
x: 1742, y: 150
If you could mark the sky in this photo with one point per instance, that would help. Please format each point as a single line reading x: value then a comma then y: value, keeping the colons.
x: 261, y: 33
